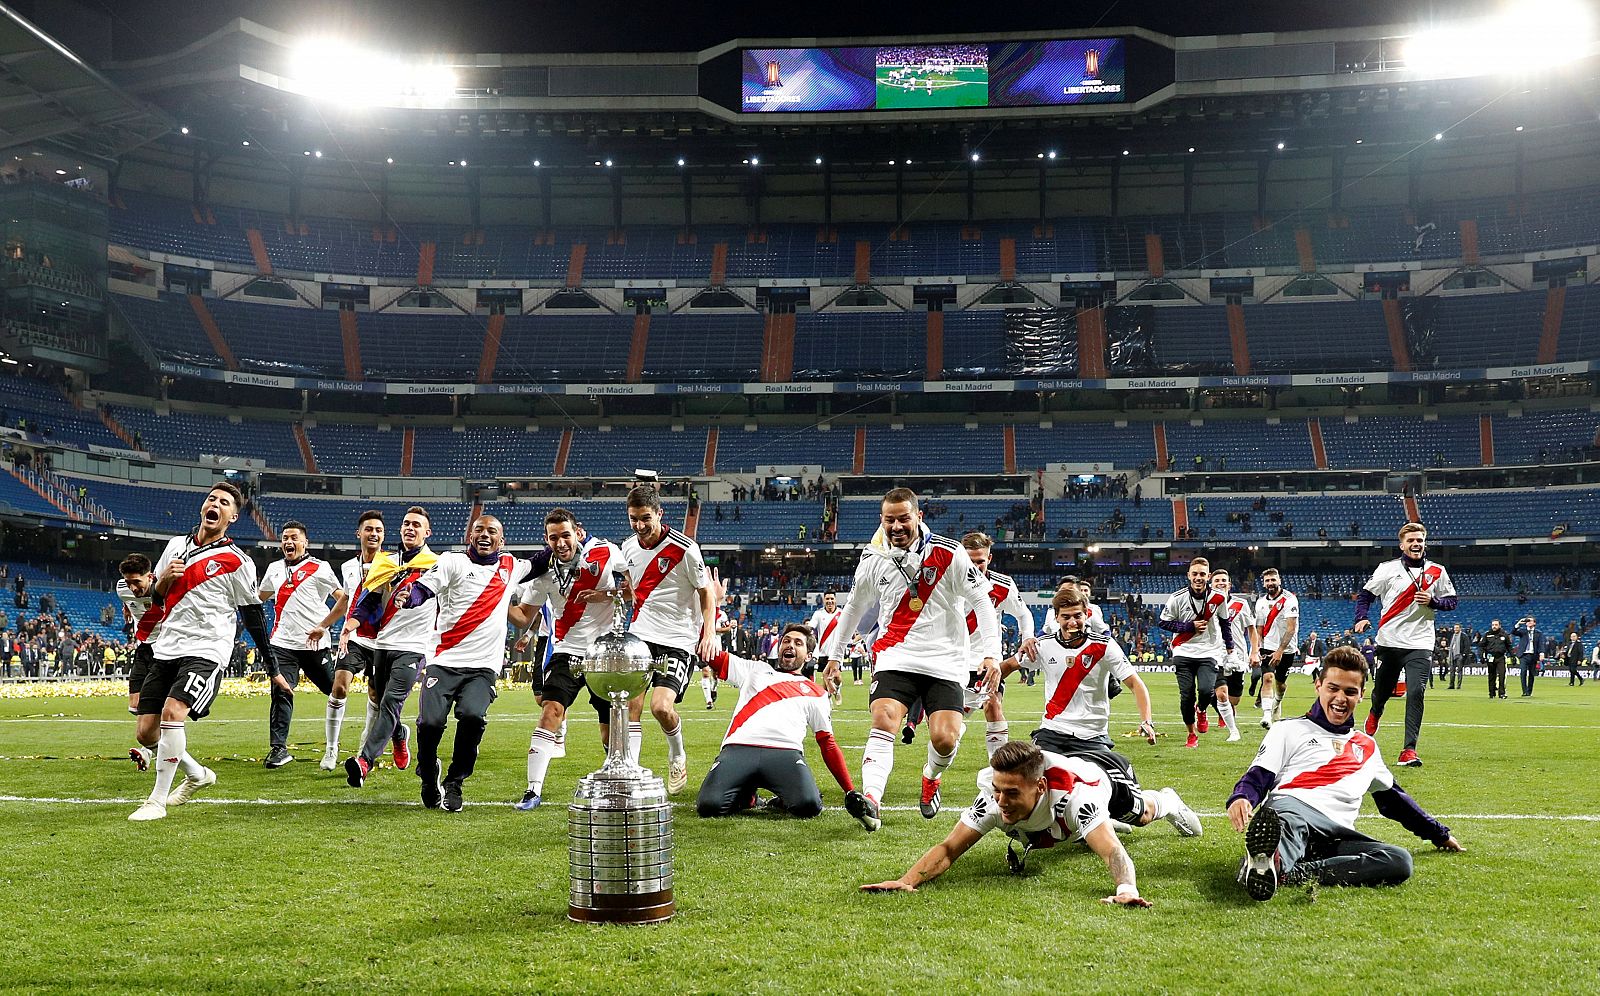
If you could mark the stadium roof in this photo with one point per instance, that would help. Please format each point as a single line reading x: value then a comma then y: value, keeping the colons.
x: 48, y: 94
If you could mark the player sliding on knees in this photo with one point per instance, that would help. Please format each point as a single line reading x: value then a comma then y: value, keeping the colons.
x: 1305, y: 788
x: 762, y: 748
x: 922, y: 586
x: 1038, y: 799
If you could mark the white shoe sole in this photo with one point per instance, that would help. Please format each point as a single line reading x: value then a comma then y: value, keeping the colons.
x: 148, y: 812
x: 188, y: 787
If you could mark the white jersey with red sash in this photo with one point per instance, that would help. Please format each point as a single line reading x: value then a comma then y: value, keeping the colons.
x: 1185, y: 606
x: 352, y: 573
x: 775, y: 708
x: 403, y: 629
x: 1241, y: 620
x: 473, y: 599
x: 666, y: 580
x: 577, y: 624
x: 300, y: 593
x: 1007, y: 601
x: 1405, y: 622
x: 1273, y: 615
x: 922, y: 596
x: 1072, y: 806
x: 1329, y: 772
x: 1077, y: 685
x: 145, y: 611
x: 201, y: 605
x: 823, y: 623
x: 1094, y: 622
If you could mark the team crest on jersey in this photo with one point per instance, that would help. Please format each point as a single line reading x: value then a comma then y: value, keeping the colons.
x: 505, y: 575
x: 593, y: 567
x: 1357, y: 752
x: 212, y: 567
x: 929, y: 575
x: 663, y: 564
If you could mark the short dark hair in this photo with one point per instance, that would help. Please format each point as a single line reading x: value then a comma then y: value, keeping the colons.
x: 295, y: 524
x: 419, y: 510
x: 897, y: 496
x: 134, y: 563
x: 370, y: 513
x: 231, y: 490
x: 645, y: 496
x: 560, y: 515
x: 1019, y: 757
x: 1345, y: 659
x: 811, y: 638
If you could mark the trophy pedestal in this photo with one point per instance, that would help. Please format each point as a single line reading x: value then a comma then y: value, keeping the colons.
x: 619, y: 846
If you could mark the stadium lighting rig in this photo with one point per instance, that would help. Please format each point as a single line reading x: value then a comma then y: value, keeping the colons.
x: 1527, y: 37
x: 330, y: 70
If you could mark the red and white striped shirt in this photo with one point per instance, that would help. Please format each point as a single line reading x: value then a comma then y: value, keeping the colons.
x: 577, y: 624
x: 473, y: 600
x: 1077, y: 685
x: 666, y: 580
x: 775, y: 708
x: 352, y: 573
x: 144, y: 609
x: 1329, y: 772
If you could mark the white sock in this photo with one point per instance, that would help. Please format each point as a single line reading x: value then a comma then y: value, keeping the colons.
x: 170, y: 749
x: 995, y: 735
x: 705, y: 689
x: 372, y: 714
x: 675, y: 749
x: 1158, y: 804
x: 540, y: 750
x: 332, y: 722
x: 1267, y: 703
x: 561, y: 741
x: 635, y: 741
x: 189, y: 766
x: 876, y: 763
x: 937, y: 762
x: 1225, y: 710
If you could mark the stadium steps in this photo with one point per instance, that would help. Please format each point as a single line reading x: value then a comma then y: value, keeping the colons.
x: 777, y: 348
x: 863, y: 273
x: 1008, y: 260
x: 208, y: 324
x: 575, y: 265
x: 116, y: 427
x: 350, y: 336
x: 408, y: 450
x: 636, y: 350
x: 858, y: 462
x: 425, y: 258
x: 1180, y: 516
x: 306, y: 456
x: 1397, y: 334
x: 1469, y: 241
x: 1555, y: 304
x: 691, y: 519
x: 935, y: 363
x: 258, y: 250
x: 1319, y: 451
x: 491, y: 347
x: 1155, y: 257
x: 1239, y: 339
x: 563, y: 451
x: 710, y: 468
x: 1302, y: 246
x: 719, y: 264
x: 26, y: 478
x: 1486, y: 440
x: 1010, y: 437
x: 260, y: 519
x: 1162, y: 460
x: 1092, y: 342
x: 1413, y: 512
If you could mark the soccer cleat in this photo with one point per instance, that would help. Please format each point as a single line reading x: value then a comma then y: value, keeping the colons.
x: 1203, y: 725
x: 713, y: 696
x: 677, y: 775
x: 1193, y: 741
x: 189, y: 786
x: 1409, y: 759
x: 1222, y: 721
x: 356, y: 770
x: 330, y: 759
x: 1185, y: 820
x: 908, y: 734
x: 452, y: 796
x: 1266, y: 722
x: 530, y: 800
x: 400, y: 743
x: 277, y: 757
x: 862, y: 809
x: 1259, y: 870
x: 432, y: 792
x: 151, y: 810
x: 1233, y: 733
x: 140, y: 756
x: 930, y: 798
x: 1372, y: 724
x: 708, y: 703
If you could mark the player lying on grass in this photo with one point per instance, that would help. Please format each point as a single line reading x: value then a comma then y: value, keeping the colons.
x: 1040, y: 799
x: 1306, y: 786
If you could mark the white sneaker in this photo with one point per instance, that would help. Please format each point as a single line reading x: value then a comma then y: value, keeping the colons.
x: 330, y: 758
x: 151, y: 810
x: 1120, y: 828
x: 1182, y: 818
x: 189, y: 786
x: 1233, y: 732
x: 677, y: 775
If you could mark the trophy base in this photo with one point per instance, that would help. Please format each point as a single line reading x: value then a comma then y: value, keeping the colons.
x: 652, y: 907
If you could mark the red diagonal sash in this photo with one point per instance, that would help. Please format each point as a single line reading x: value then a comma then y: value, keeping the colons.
x: 662, y: 563
x: 148, y: 620
x: 827, y: 631
x: 286, y: 591
x: 775, y: 692
x: 1272, y: 616
x: 481, y: 608
x: 1347, y: 762
x: 1404, y: 600
x: 1212, y: 601
x: 397, y: 598
x: 195, y: 575
x: 900, y: 623
x: 586, y: 581
x: 1067, y: 687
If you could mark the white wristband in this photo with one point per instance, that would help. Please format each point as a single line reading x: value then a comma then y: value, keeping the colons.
x: 1128, y: 889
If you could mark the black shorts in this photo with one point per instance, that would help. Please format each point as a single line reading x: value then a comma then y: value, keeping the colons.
x: 357, y: 659
x: 193, y: 681
x: 1127, y: 798
x: 469, y: 690
x: 678, y: 664
x: 906, y: 687
x: 1285, y: 663
x: 1233, y: 681
x: 143, y: 657
x: 562, y: 685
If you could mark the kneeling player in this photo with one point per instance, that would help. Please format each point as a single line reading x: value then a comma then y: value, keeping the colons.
x: 1306, y: 787
x: 761, y: 749
x: 1039, y: 799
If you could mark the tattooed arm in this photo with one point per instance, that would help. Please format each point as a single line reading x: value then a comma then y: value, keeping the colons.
x: 1102, y: 840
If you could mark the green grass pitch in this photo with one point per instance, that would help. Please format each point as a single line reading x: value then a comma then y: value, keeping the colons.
x: 962, y: 86
x: 288, y: 879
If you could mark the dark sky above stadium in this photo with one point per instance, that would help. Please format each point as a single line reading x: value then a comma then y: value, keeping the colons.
x: 145, y: 27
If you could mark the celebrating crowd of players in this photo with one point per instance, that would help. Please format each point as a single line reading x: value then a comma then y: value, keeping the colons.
x: 930, y: 608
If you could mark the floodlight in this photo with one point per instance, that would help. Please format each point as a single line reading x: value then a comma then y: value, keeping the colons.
x: 819, y: 160
x: 1530, y: 36
x: 184, y: 130
x: 974, y: 157
x: 330, y: 70
x: 1280, y: 146
x: 1051, y: 154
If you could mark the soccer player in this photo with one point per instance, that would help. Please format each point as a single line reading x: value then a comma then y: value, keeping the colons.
x: 1007, y: 600
x: 1200, y: 638
x: 1410, y: 590
x: 356, y: 640
x: 708, y: 678
x: 762, y: 748
x: 299, y: 586
x: 205, y: 582
x: 674, y: 613
x: 1094, y: 619
x: 136, y: 591
x: 1305, y: 788
x: 1277, y: 615
x: 402, y: 641
x: 1039, y: 799
x: 823, y: 622
x: 579, y: 585
x: 922, y: 586
x: 1242, y: 623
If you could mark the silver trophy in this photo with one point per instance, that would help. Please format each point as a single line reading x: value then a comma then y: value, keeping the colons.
x: 619, y: 826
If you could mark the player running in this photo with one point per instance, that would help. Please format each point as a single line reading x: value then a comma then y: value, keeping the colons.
x: 1246, y: 647
x: 356, y: 647
x: 1200, y: 639
x: 300, y: 586
x: 142, y: 612
x: 1278, y: 616
x: 1007, y: 600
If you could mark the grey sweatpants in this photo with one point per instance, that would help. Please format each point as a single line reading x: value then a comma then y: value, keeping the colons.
x: 1333, y: 854
x: 740, y: 770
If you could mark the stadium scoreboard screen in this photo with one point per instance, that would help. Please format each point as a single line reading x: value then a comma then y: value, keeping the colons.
x: 934, y: 76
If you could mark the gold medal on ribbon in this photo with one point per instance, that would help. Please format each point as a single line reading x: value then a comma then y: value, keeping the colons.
x: 916, y: 604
